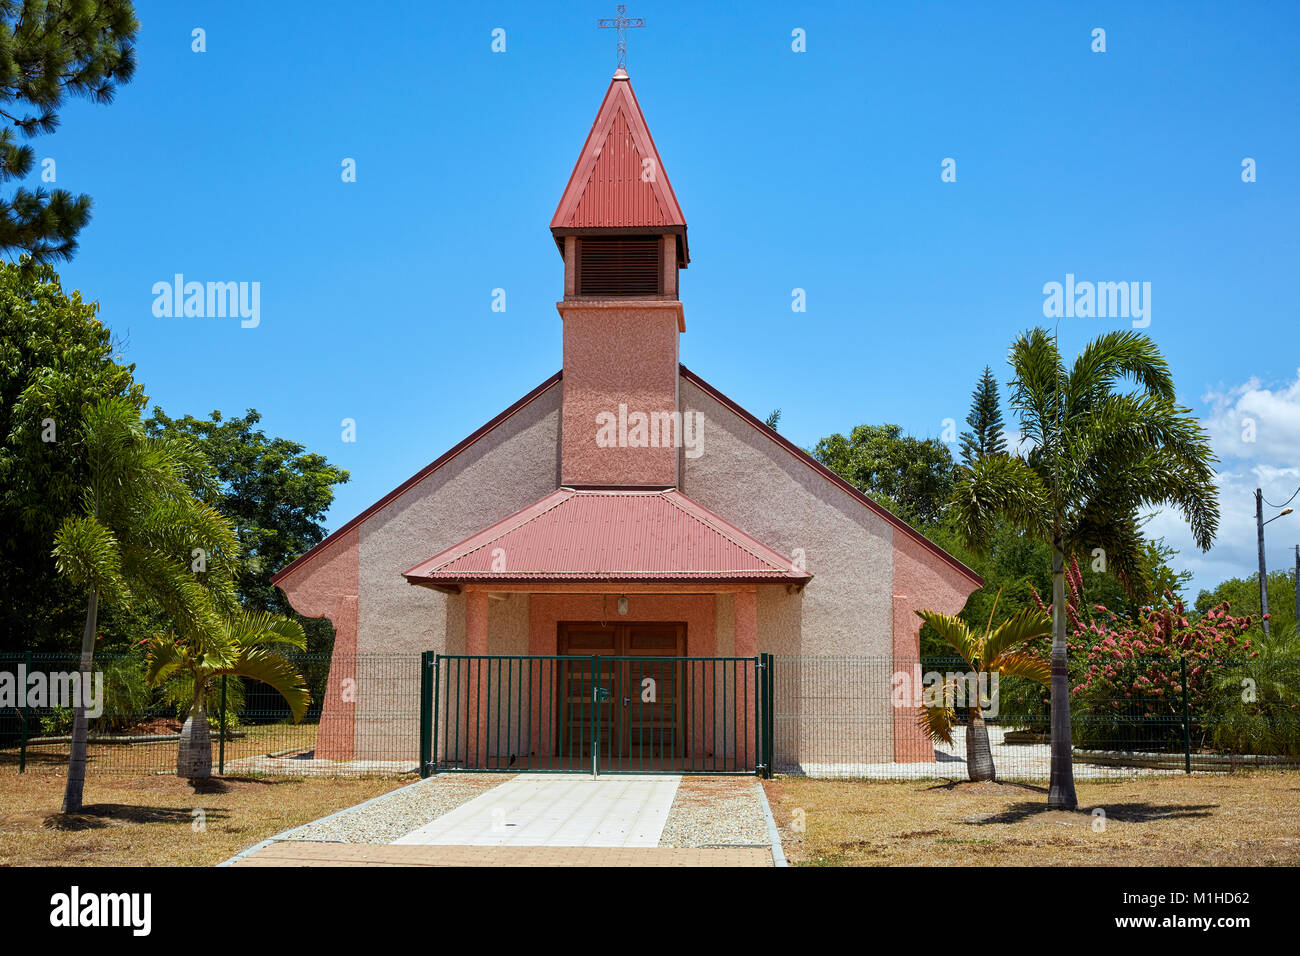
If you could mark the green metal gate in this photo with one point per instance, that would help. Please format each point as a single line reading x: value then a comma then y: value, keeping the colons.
x: 597, y: 715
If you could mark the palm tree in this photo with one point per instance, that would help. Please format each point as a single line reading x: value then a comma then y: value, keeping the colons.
x: 995, y: 651
x: 244, y: 647
x: 135, y: 540
x: 1267, y: 719
x: 1093, y: 459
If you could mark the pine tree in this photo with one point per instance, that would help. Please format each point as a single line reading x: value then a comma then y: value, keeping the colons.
x: 985, y: 419
x: 50, y: 49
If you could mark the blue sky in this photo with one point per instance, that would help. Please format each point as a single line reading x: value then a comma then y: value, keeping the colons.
x: 817, y: 170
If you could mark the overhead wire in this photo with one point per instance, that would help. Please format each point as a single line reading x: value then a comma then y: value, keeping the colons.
x: 1283, y: 504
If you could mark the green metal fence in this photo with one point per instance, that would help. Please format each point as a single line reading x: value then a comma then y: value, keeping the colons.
x: 821, y: 716
x: 593, y: 714
x: 361, y: 719
x: 856, y: 717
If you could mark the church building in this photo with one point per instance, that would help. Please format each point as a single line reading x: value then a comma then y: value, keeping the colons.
x: 625, y: 510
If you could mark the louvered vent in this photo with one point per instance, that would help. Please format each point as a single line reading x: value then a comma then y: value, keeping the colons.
x: 617, y: 266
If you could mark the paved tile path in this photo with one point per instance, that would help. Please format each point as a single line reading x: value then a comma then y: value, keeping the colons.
x: 557, y: 811
x: 538, y: 820
x: 301, y: 853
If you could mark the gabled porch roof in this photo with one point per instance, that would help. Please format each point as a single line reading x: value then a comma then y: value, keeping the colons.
x: 585, y: 535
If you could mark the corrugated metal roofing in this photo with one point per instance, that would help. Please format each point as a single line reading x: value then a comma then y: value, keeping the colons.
x: 609, y: 535
x: 608, y: 188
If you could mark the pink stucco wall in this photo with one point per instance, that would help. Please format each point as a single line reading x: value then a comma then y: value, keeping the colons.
x: 355, y: 579
x: 617, y: 353
x: 869, y: 577
x: 921, y: 580
x: 330, y: 590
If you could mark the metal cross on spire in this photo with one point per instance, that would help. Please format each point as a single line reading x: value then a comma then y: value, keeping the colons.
x: 621, y: 24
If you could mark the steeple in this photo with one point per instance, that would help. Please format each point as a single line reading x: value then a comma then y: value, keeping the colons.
x: 623, y: 239
x: 619, y: 187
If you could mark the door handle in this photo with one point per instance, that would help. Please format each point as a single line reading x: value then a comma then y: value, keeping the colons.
x: 626, y: 701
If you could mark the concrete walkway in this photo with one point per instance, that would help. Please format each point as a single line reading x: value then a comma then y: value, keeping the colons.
x: 557, y: 811
x: 301, y: 853
x: 539, y: 820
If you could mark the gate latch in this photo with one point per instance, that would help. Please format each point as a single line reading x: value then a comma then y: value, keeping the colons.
x: 602, y: 695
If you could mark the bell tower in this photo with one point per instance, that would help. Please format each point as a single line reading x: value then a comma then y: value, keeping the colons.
x: 623, y: 240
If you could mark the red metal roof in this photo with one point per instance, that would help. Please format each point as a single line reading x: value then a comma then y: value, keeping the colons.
x: 609, y: 187
x: 614, y: 535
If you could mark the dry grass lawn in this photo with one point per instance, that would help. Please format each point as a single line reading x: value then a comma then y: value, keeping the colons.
x: 255, y: 740
x: 1240, y: 819
x: 140, y: 820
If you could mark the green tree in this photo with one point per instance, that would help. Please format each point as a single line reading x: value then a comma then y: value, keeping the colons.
x: 1095, y: 458
x: 910, y: 476
x: 1242, y: 594
x: 1016, y: 567
x: 141, y: 536
x: 1268, y: 720
x: 274, y: 492
x: 55, y: 357
x: 247, y: 645
x: 50, y: 50
x: 985, y: 419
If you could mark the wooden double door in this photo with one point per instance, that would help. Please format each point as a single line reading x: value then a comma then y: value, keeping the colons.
x: 623, y: 693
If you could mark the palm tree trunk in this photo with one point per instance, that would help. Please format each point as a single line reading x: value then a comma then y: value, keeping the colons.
x: 979, y: 756
x: 1060, y: 791
x: 194, y: 753
x: 72, y: 793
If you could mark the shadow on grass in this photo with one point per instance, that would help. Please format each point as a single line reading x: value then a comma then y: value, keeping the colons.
x: 223, y: 784
x: 97, y: 816
x: 1011, y: 784
x: 1123, y: 812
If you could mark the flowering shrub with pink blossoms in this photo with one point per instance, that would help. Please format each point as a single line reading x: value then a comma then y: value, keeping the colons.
x: 1126, y: 683
x: 1127, y: 688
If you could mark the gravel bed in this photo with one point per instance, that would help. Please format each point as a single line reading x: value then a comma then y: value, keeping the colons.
x: 396, y: 814
x: 714, y: 812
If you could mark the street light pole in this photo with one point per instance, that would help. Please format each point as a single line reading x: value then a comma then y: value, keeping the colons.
x: 1263, y: 574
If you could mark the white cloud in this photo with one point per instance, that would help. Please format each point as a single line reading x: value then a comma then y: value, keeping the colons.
x: 1255, y: 431
x: 1235, y: 552
x: 1252, y: 421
